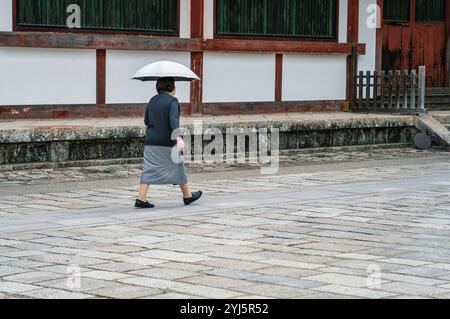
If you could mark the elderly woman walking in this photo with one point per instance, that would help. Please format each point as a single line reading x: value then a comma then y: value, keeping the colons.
x: 162, y: 119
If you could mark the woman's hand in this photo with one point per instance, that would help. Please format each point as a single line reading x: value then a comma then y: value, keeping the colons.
x: 180, y: 144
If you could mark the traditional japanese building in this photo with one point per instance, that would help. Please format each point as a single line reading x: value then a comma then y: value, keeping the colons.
x: 63, y: 58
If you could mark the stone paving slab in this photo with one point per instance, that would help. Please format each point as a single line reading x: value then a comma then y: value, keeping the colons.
x: 378, y: 232
x: 96, y: 172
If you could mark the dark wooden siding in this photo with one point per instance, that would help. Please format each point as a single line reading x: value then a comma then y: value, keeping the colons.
x: 155, y: 16
x: 277, y: 18
x: 416, y: 41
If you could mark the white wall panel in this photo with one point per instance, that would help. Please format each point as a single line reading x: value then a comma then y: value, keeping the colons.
x: 343, y: 18
x: 47, y: 76
x: 122, y: 65
x: 238, y: 77
x: 5, y: 15
x: 367, y: 35
x: 209, y: 19
x: 308, y: 78
x: 185, y: 18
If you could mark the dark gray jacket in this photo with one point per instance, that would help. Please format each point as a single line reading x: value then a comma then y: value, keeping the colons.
x: 162, y: 118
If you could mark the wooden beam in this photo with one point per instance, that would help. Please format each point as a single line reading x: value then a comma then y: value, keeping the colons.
x: 352, y: 40
x: 124, y: 42
x: 278, y: 77
x: 101, y: 77
x: 277, y: 46
x: 97, y: 41
x: 32, y: 112
x: 17, y: 112
x: 270, y: 107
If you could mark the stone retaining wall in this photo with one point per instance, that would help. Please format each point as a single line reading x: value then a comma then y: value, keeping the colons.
x: 81, y: 143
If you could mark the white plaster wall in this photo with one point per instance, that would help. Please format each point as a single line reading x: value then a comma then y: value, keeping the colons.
x: 209, y: 19
x: 238, y: 77
x: 309, y: 77
x: 367, y: 35
x: 5, y: 15
x: 122, y: 65
x: 30, y: 76
x: 185, y: 18
x: 343, y: 18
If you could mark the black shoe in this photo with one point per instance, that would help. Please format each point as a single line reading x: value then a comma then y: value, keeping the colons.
x: 141, y: 204
x: 195, y: 197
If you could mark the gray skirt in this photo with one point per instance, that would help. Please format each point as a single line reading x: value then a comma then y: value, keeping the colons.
x: 163, y: 166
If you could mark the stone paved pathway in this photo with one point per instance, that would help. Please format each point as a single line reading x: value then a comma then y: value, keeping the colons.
x: 380, y: 231
x: 39, y: 175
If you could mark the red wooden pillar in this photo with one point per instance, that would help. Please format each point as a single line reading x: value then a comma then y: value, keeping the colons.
x: 379, y: 40
x: 197, y: 31
x: 101, y: 77
x: 278, y: 77
x: 447, y: 44
x: 352, y: 37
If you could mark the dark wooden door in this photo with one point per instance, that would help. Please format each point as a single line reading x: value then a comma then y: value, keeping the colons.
x: 414, y: 34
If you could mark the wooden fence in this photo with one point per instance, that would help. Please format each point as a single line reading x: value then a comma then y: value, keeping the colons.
x: 389, y: 91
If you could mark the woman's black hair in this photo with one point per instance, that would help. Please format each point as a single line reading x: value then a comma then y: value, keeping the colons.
x: 165, y: 85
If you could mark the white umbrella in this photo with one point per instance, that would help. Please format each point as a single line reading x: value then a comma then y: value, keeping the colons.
x: 154, y: 71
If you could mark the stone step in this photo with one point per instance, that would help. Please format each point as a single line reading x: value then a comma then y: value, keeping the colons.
x: 443, y: 118
x: 430, y: 91
x: 437, y: 99
x: 437, y: 107
x: 443, y: 99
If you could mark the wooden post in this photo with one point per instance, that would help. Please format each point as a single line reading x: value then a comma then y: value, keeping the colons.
x: 368, y: 84
x: 397, y: 88
x: 197, y: 32
x: 375, y: 104
x: 422, y: 88
x: 390, y: 73
x: 383, y: 93
x: 197, y: 86
x: 447, y: 43
x: 361, y: 88
x: 405, y: 89
x: 352, y: 37
x: 379, y: 40
x: 278, y: 77
x: 353, y: 75
x: 101, y: 77
x: 413, y: 89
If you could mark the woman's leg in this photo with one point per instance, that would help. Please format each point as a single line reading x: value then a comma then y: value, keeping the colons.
x: 185, y: 189
x: 143, y: 190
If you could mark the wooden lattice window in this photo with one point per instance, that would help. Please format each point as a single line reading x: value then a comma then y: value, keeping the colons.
x: 152, y: 16
x: 430, y: 10
x: 396, y: 10
x: 277, y: 18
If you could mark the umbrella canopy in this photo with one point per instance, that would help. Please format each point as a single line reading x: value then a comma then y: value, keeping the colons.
x: 163, y: 69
